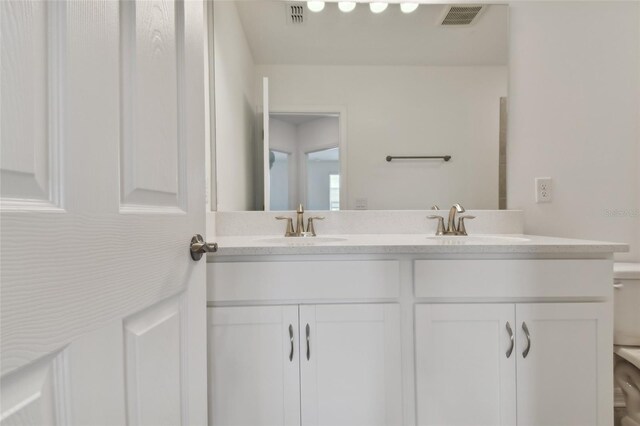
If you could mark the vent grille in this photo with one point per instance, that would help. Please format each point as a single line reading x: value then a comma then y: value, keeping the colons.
x: 461, y: 15
x: 295, y: 13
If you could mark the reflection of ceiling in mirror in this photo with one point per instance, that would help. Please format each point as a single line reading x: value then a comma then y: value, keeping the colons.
x: 360, y: 37
x: 332, y: 154
x: 297, y: 119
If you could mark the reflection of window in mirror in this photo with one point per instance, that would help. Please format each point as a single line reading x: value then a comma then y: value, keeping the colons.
x: 334, y: 192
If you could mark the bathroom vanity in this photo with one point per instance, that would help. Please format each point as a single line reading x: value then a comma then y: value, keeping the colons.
x: 398, y: 329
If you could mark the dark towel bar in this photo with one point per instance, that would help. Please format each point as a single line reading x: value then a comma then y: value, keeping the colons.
x: 428, y: 157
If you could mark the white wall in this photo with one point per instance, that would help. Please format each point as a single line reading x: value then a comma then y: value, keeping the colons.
x: 574, y: 108
x: 321, y: 133
x: 283, y: 137
x: 235, y: 95
x: 318, y: 173
x: 279, y: 181
x: 315, y: 135
x: 407, y: 111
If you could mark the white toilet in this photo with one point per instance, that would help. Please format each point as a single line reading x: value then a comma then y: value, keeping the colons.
x: 627, y: 337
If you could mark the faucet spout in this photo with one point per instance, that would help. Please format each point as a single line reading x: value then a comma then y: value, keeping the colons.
x: 299, y: 220
x: 451, y: 226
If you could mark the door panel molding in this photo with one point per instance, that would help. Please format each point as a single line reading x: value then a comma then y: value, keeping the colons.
x: 37, y: 393
x: 155, y: 365
x: 152, y: 132
x: 33, y: 54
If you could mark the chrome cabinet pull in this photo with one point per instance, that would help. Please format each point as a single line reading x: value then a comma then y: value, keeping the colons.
x: 198, y: 247
x: 526, y: 333
x: 510, y: 331
x: 291, y: 340
x: 308, y: 331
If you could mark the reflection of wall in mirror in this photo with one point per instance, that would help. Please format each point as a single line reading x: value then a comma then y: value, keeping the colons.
x: 235, y: 95
x: 282, y: 137
x: 320, y: 167
x: 408, y: 110
x: 392, y: 110
x: 279, y: 180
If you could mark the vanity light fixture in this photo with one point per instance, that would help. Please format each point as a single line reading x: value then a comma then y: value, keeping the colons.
x: 408, y: 7
x: 346, y: 6
x: 378, y: 6
x: 315, y: 5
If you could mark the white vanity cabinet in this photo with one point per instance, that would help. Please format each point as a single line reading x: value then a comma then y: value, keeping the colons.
x: 565, y: 378
x: 308, y: 364
x: 468, y: 371
x: 253, y: 366
x: 409, y: 339
x: 463, y: 376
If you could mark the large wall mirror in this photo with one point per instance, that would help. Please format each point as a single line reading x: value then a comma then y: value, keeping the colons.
x: 322, y: 107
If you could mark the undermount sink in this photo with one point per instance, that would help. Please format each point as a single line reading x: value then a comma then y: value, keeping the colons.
x: 302, y: 241
x: 477, y: 239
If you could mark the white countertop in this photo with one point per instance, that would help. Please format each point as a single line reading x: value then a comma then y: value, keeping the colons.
x: 408, y: 244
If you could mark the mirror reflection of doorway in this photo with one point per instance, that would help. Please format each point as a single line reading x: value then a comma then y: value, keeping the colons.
x: 304, y: 151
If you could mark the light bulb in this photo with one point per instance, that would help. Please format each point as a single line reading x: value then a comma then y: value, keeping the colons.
x: 408, y: 7
x: 378, y: 6
x: 315, y: 5
x: 346, y: 6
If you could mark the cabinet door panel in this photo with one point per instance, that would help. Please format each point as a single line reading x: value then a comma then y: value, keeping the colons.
x: 463, y: 375
x: 352, y: 375
x: 253, y: 379
x: 565, y: 379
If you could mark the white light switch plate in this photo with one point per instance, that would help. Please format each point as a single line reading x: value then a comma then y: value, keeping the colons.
x: 544, y: 190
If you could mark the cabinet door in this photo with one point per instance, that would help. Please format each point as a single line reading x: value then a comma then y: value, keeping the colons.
x: 565, y: 378
x: 350, y: 365
x: 254, y: 366
x: 465, y: 374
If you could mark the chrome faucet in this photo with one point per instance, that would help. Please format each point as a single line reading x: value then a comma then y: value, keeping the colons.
x: 451, y: 228
x: 299, y: 230
x: 451, y: 224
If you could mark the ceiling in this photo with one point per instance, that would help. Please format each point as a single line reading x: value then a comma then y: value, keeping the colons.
x: 331, y: 37
x: 332, y: 154
x: 296, y: 119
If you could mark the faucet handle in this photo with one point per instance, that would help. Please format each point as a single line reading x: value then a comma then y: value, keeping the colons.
x: 461, y: 228
x: 440, y: 219
x: 289, y: 232
x: 310, y: 228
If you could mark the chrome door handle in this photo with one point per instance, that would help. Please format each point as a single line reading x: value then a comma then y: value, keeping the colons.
x: 526, y: 333
x: 291, y: 340
x: 308, y: 332
x: 198, y: 247
x: 510, y: 331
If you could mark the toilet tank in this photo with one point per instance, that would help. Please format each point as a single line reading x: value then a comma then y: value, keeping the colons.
x: 626, y: 304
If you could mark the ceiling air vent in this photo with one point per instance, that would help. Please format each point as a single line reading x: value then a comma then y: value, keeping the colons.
x: 461, y: 15
x: 295, y: 13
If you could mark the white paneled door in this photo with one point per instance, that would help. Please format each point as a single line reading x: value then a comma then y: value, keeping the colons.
x: 102, y: 187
